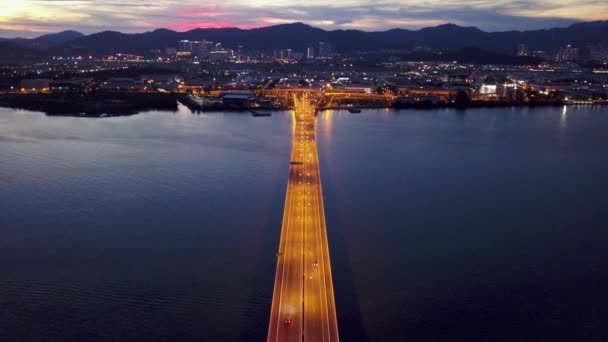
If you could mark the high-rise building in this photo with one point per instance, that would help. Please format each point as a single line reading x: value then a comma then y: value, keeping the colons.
x: 310, y: 52
x: 540, y: 53
x: 170, y: 51
x: 324, y: 49
x: 203, y: 49
x: 566, y: 53
x: 522, y: 50
x: 188, y: 47
x: 221, y: 55
x: 599, y: 52
x: 296, y: 56
x: 282, y: 53
x: 183, y: 46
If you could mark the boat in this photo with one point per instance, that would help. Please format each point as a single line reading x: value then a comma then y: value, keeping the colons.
x: 256, y: 113
x: 354, y: 110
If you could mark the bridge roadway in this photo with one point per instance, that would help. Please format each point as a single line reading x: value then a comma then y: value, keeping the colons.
x: 303, y: 306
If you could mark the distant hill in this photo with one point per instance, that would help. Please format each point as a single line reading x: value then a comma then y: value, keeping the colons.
x: 472, y: 55
x: 11, y: 51
x: 447, y: 38
x: 298, y: 36
x: 55, y: 39
x: 46, y: 41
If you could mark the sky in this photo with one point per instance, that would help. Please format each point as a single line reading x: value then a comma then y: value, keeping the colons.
x: 30, y: 18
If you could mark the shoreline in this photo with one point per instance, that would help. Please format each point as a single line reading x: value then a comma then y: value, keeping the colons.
x: 125, y: 104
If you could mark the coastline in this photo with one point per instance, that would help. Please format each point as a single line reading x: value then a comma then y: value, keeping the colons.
x: 124, y: 104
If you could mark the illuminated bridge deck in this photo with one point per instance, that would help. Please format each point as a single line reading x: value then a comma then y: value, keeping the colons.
x: 303, y: 306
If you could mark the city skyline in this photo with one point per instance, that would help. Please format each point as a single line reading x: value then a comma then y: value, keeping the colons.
x: 31, y: 18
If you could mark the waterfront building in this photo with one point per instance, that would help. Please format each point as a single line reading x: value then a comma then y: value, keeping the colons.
x: 237, y: 99
x: 509, y: 91
x: 487, y: 89
x: 68, y: 86
x: 443, y: 94
x: 123, y: 84
x: 35, y: 85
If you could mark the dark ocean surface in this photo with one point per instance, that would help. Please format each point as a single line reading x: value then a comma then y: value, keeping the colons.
x: 482, y: 225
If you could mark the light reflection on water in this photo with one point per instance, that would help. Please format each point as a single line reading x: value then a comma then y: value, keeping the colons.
x: 482, y: 225
x: 159, y: 226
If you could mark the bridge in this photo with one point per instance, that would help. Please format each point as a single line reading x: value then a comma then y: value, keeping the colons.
x: 303, y: 305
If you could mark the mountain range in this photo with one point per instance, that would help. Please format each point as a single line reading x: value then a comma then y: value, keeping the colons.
x: 46, y: 41
x: 23, y: 48
x: 298, y: 36
x: 11, y: 51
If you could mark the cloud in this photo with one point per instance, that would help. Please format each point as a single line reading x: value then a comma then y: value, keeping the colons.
x: 142, y: 15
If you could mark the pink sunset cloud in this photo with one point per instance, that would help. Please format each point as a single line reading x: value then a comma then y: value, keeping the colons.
x: 140, y: 15
x: 187, y: 25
